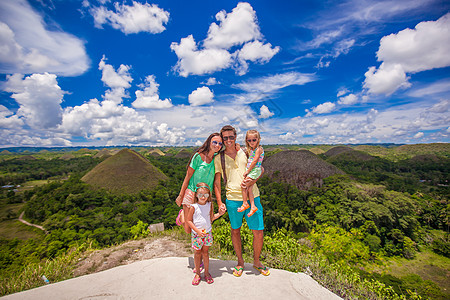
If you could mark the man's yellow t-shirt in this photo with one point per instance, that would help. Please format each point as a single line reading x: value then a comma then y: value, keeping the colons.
x: 235, y: 169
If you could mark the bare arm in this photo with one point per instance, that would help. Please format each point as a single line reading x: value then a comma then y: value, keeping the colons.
x: 190, y: 171
x: 217, y: 189
x: 215, y: 216
x: 248, y: 181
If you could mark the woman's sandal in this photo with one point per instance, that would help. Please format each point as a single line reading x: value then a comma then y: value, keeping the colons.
x: 238, y: 270
x: 178, y: 219
x: 243, y: 207
x: 196, y: 279
x: 252, y: 211
x: 209, y: 279
x: 263, y: 270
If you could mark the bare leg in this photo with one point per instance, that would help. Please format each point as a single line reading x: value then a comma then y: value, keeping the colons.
x: 258, y: 240
x: 253, y: 207
x: 205, y: 256
x: 244, y: 200
x: 237, y: 245
x: 183, y: 219
x: 197, y: 258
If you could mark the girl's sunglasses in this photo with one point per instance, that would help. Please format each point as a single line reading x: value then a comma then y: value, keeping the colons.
x: 202, y: 195
x: 252, y: 140
x: 217, y: 143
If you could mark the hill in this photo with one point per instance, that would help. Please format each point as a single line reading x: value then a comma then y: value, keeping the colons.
x: 338, y: 150
x: 183, y: 153
x: 124, y: 172
x: 301, y: 168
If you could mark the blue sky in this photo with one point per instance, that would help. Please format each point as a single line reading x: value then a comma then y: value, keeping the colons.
x: 104, y: 73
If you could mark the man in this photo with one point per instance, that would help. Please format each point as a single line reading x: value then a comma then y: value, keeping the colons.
x: 235, y: 162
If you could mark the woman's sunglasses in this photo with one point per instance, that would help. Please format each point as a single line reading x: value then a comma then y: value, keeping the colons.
x: 226, y: 138
x: 217, y: 143
x: 252, y: 140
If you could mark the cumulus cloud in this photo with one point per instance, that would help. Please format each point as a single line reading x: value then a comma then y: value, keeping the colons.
x: 323, y: 108
x: 132, y: 19
x: 348, y: 100
x: 234, y: 28
x: 425, y: 47
x: 211, y: 81
x: 8, y: 120
x: 238, y: 28
x: 149, y: 97
x: 39, y: 97
x: 202, y: 95
x: 28, y: 46
x: 418, y: 135
x: 193, y: 61
x: 118, y: 81
x: 264, y: 112
x: 255, y: 52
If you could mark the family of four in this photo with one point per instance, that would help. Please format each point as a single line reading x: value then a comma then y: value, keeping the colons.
x: 221, y: 158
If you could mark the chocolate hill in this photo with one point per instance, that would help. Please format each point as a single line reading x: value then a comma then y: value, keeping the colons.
x: 124, y: 172
x: 338, y: 150
x: 183, y: 153
x: 301, y: 168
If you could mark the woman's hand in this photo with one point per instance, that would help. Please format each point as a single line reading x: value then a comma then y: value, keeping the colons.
x: 179, y: 200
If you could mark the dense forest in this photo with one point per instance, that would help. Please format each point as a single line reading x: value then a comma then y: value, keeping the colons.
x: 380, y: 209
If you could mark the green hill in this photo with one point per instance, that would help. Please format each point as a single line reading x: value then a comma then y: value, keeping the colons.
x: 124, y: 172
x: 301, y: 168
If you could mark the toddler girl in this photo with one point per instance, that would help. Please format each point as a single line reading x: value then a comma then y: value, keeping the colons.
x: 255, y: 154
x: 200, y: 216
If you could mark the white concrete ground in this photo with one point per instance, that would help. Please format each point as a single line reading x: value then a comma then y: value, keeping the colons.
x: 171, y: 277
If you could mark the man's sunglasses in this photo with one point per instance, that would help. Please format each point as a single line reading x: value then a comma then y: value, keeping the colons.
x: 252, y: 140
x: 217, y: 143
x: 231, y: 138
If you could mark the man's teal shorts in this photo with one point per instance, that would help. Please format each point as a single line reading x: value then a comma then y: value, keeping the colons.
x: 255, y: 222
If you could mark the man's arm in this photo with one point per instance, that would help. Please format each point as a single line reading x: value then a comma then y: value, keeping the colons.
x: 248, y: 181
x: 217, y: 190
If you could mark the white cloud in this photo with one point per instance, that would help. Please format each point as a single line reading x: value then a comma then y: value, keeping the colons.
x: 441, y: 107
x: 132, y: 19
x: 198, y: 62
x: 234, y: 28
x: 386, y: 80
x: 433, y: 89
x: 149, y: 97
x: 237, y: 28
x: 211, y: 81
x: 264, y: 112
x: 202, y: 95
x: 39, y: 97
x: 323, y: 108
x: 272, y: 83
x: 8, y: 120
x: 113, y: 79
x: 27, y: 46
x: 348, y: 100
x: 342, y: 92
x: 117, y: 81
x: 256, y: 52
x: 418, y: 135
x: 425, y: 47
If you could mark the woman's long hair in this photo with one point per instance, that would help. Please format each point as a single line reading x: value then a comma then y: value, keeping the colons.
x: 205, y: 147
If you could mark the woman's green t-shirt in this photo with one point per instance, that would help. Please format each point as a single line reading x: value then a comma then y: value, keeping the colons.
x: 203, y: 172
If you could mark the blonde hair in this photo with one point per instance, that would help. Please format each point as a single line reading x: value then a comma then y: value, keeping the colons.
x: 247, y: 144
x: 202, y: 185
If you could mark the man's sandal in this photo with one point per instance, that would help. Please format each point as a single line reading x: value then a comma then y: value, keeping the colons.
x: 263, y: 270
x: 238, y: 270
x: 243, y: 207
x: 209, y: 279
x: 196, y: 279
x: 252, y: 211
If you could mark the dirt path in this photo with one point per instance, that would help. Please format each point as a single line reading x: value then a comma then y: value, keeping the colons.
x: 130, y: 252
x: 30, y: 224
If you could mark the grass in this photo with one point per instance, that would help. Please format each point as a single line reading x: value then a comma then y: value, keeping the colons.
x: 12, y: 229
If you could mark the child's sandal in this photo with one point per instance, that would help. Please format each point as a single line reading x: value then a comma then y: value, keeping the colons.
x: 243, y: 207
x: 252, y: 211
x: 209, y: 279
x: 178, y: 219
x: 196, y: 279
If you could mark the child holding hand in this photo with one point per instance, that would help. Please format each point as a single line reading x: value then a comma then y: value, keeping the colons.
x: 255, y: 154
x: 200, y: 216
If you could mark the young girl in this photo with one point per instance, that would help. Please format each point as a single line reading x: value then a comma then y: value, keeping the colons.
x: 200, y: 216
x: 255, y: 155
x: 200, y: 169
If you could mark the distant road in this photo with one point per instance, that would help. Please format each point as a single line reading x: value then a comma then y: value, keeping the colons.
x: 29, y: 224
